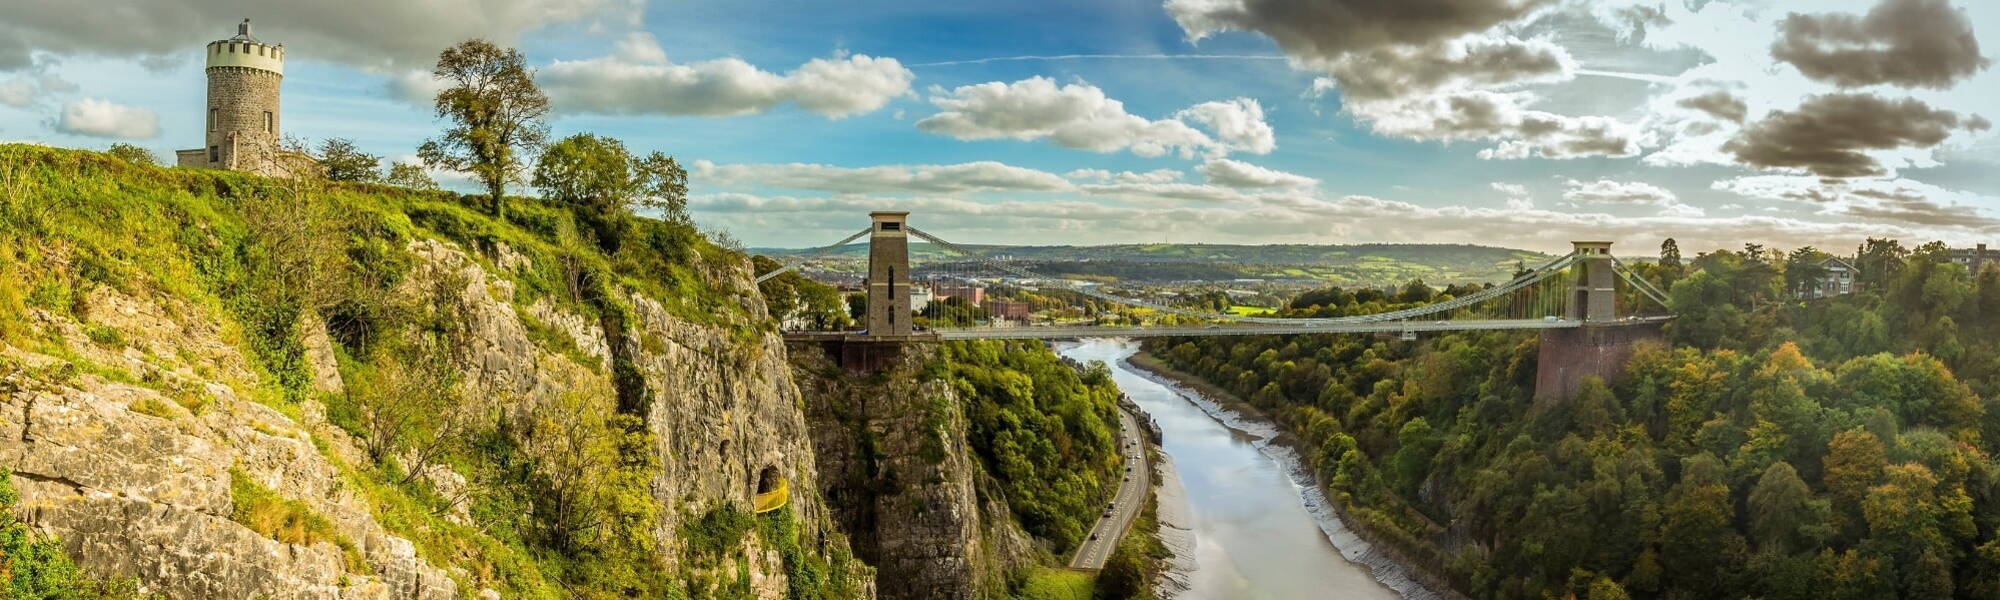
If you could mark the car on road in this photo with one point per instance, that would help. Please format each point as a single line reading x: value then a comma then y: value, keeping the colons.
x: 1111, y: 506
x: 1093, y: 536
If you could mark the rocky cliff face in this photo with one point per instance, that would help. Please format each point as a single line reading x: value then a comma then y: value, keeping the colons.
x: 122, y: 435
x: 124, y: 428
x: 895, y: 466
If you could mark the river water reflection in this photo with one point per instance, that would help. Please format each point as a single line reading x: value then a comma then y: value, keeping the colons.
x: 1254, y: 536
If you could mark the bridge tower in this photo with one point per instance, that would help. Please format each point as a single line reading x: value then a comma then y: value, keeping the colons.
x: 889, y: 275
x: 1600, y: 347
x: 1595, y: 295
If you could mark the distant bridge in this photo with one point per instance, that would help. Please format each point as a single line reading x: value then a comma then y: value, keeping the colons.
x: 1576, y: 290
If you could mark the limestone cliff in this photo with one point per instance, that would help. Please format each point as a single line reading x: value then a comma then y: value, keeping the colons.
x: 895, y: 465
x: 162, y: 426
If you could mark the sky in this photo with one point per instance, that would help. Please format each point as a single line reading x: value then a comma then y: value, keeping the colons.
x: 1519, y: 123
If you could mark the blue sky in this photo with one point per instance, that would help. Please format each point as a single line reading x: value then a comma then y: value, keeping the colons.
x: 1523, y: 123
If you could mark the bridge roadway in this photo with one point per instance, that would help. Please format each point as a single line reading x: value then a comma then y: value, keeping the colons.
x: 1133, y: 489
x: 1059, y: 332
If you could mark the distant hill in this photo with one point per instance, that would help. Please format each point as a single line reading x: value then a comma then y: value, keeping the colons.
x: 1355, y: 264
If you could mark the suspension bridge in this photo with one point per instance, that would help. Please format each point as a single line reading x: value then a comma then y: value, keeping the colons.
x: 1589, y: 308
x: 1576, y: 290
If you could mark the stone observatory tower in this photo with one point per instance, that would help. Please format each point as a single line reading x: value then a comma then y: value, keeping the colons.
x: 242, y: 115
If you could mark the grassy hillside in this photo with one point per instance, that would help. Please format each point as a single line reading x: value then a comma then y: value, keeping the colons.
x: 260, y: 257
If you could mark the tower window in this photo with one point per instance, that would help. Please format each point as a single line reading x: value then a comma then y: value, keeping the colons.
x: 270, y: 126
x: 211, y: 119
x: 891, y: 226
x: 214, y: 153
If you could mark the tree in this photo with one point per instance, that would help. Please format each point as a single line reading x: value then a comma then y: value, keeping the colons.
x: 1804, y: 271
x: 496, y: 114
x: 1878, y: 261
x: 410, y: 175
x: 1783, y: 511
x: 602, y: 179
x: 132, y: 154
x: 343, y: 162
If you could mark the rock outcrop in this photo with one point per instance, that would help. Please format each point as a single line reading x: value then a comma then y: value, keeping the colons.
x: 123, y: 446
x: 895, y: 466
x: 124, y: 430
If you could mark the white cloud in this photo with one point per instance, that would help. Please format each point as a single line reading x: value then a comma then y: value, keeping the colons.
x: 1608, y: 192
x: 1500, y: 117
x: 964, y: 177
x: 1238, y: 124
x: 103, y: 118
x: 18, y: 92
x: 1238, y: 174
x: 638, y: 79
x: 1517, y: 195
x: 1153, y: 176
x: 1605, y: 191
x: 1081, y: 116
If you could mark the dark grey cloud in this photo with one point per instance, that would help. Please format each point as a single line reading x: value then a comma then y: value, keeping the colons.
x: 1915, y: 207
x: 14, y: 54
x: 1828, y: 135
x: 379, y: 34
x: 1324, y: 30
x: 1910, y: 43
x: 1721, y: 104
x: 1398, y: 71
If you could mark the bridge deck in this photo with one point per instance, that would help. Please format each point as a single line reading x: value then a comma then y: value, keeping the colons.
x: 1076, y: 332
x: 1061, y: 332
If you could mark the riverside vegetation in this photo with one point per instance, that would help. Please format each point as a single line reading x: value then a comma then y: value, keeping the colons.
x: 1774, y: 448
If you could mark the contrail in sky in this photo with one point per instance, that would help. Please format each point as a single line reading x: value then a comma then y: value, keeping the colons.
x: 981, y: 61
x: 1646, y: 77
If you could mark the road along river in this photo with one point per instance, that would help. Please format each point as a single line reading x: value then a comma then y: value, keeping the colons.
x: 1261, y: 528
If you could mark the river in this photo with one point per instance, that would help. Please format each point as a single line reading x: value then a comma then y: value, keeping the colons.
x: 1258, y: 532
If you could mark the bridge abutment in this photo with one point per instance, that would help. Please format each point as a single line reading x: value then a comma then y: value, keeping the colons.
x: 1601, y: 346
x: 1568, y: 356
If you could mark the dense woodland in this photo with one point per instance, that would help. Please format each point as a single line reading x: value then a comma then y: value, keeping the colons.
x: 1774, y: 448
x: 1048, y: 433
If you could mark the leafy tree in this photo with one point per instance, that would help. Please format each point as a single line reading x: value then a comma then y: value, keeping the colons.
x: 1783, y: 513
x: 606, y: 183
x: 410, y: 175
x: 1804, y: 270
x: 341, y: 161
x: 495, y: 111
x: 132, y: 154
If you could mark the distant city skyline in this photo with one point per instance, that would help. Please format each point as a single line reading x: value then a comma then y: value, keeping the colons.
x: 1520, y: 123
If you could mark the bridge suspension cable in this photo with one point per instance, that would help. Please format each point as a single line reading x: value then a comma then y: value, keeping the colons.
x: 800, y: 259
x: 1640, y: 283
x: 1537, y: 275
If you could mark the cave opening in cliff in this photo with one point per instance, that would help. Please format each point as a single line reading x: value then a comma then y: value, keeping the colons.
x: 767, y: 480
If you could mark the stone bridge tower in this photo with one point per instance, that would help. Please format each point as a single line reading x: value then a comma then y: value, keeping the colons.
x: 889, y: 274
x: 241, y: 117
x: 1601, y: 345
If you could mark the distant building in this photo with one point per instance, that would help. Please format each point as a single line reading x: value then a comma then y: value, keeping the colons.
x: 242, y: 110
x: 1975, y: 258
x: 972, y: 295
x: 1840, y: 278
x: 1008, y: 309
x: 920, y: 298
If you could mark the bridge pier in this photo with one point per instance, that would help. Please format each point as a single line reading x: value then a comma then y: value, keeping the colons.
x: 1568, y: 356
x: 1601, y: 346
